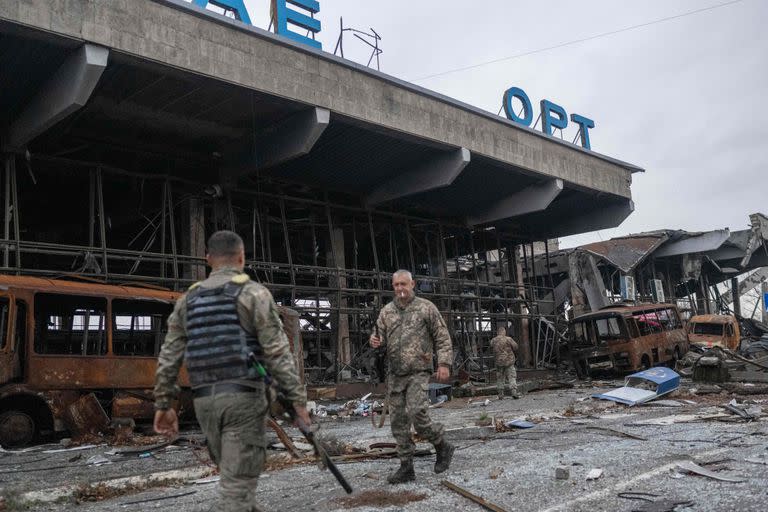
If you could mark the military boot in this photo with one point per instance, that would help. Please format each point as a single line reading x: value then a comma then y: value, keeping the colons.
x: 404, y: 474
x: 444, y: 452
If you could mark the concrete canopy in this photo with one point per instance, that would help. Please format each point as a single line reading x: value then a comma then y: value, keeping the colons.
x: 195, y: 93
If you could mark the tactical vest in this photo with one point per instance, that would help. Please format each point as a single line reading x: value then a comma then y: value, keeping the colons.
x: 217, y: 345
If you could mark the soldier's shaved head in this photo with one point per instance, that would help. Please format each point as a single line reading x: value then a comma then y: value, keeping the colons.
x: 225, y: 249
x: 501, y: 330
x: 224, y: 243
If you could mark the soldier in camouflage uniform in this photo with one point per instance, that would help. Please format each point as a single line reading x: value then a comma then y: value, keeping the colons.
x: 408, y: 329
x: 213, y: 327
x: 504, y: 348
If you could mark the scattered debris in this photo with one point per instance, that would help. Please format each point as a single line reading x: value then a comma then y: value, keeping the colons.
x: 750, y: 413
x: 160, y: 498
x: 484, y: 420
x: 477, y: 499
x: 86, y: 416
x: 562, y: 473
x: 381, y: 499
x: 665, y: 403
x: 496, y: 473
x: 617, y: 432
x: 644, y: 386
x: 662, y: 505
x: 97, y: 460
x: 691, y: 467
x: 757, y: 460
x: 594, y: 474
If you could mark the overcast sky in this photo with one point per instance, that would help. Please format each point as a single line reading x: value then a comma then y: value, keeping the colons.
x: 683, y: 98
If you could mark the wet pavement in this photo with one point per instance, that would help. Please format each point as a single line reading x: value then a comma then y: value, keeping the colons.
x: 637, y: 448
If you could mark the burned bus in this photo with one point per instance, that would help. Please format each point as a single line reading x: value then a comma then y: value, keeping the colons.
x: 624, y: 339
x: 61, y: 341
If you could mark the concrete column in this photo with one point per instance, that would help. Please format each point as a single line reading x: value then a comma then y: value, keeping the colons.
x: 342, y: 321
x: 735, y: 295
x: 193, y: 244
x: 524, y: 329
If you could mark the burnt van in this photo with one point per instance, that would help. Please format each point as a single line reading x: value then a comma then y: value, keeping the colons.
x: 624, y: 339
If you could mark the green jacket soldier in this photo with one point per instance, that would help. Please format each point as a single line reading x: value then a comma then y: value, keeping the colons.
x: 213, y: 327
x: 411, y: 329
x: 504, y: 348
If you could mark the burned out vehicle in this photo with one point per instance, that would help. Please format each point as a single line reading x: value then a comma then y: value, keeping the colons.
x: 624, y: 339
x: 60, y: 340
x: 73, y: 352
x: 707, y: 331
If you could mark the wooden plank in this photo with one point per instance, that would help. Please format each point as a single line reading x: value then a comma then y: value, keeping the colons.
x: 477, y: 499
x: 284, y: 438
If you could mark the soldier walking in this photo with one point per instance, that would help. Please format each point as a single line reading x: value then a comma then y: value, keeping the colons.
x: 408, y: 329
x: 504, y: 348
x: 214, y: 326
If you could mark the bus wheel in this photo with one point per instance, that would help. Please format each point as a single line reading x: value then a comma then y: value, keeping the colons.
x: 645, y: 362
x: 16, y: 429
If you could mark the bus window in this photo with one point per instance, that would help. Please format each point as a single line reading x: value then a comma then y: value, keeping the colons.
x: 138, y: 326
x: 608, y: 328
x: 581, y: 336
x: 4, y: 305
x: 634, y: 332
x: 707, y: 329
x: 70, y: 324
x: 647, y: 322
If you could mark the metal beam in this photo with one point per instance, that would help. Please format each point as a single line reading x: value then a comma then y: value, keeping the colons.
x: 750, y: 282
x: 704, y: 242
x: 437, y: 173
x: 531, y: 199
x: 67, y: 91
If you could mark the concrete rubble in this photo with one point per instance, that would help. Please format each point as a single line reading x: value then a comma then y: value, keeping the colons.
x: 580, y: 454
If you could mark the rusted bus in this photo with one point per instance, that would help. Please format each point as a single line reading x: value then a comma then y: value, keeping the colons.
x: 60, y: 340
x: 710, y: 331
x: 626, y: 338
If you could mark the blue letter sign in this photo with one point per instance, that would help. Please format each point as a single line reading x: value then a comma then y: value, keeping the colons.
x: 548, y: 121
x: 284, y: 15
x: 516, y: 92
x: 236, y: 6
x: 584, y: 125
x: 552, y: 115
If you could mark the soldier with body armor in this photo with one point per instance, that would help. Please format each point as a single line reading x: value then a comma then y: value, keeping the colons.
x: 213, y: 327
x: 410, y: 329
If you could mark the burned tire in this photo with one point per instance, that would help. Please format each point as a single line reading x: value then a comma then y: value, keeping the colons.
x: 16, y: 429
x: 645, y: 362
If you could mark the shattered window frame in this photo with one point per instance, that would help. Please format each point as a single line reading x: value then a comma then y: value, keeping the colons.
x: 62, y: 314
x: 142, y: 341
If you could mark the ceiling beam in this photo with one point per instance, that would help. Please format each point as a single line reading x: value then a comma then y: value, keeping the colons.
x: 434, y: 174
x: 66, y: 91
x: 534, y: 198
x: 605, y: 217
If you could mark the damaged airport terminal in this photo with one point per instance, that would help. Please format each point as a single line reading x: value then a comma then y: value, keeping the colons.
x: 130, y: 131
x: 143, y: 141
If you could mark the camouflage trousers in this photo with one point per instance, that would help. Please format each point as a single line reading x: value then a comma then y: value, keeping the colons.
x: 506, y: 374
x: 408, y: 404
x: 233, y: 424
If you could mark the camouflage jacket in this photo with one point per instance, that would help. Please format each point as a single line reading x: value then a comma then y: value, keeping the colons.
x: 504, y: 349
x: 258, y: 315
x: 411, y: 334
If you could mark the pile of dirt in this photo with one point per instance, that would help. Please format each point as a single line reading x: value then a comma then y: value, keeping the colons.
x: 381, y: 499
